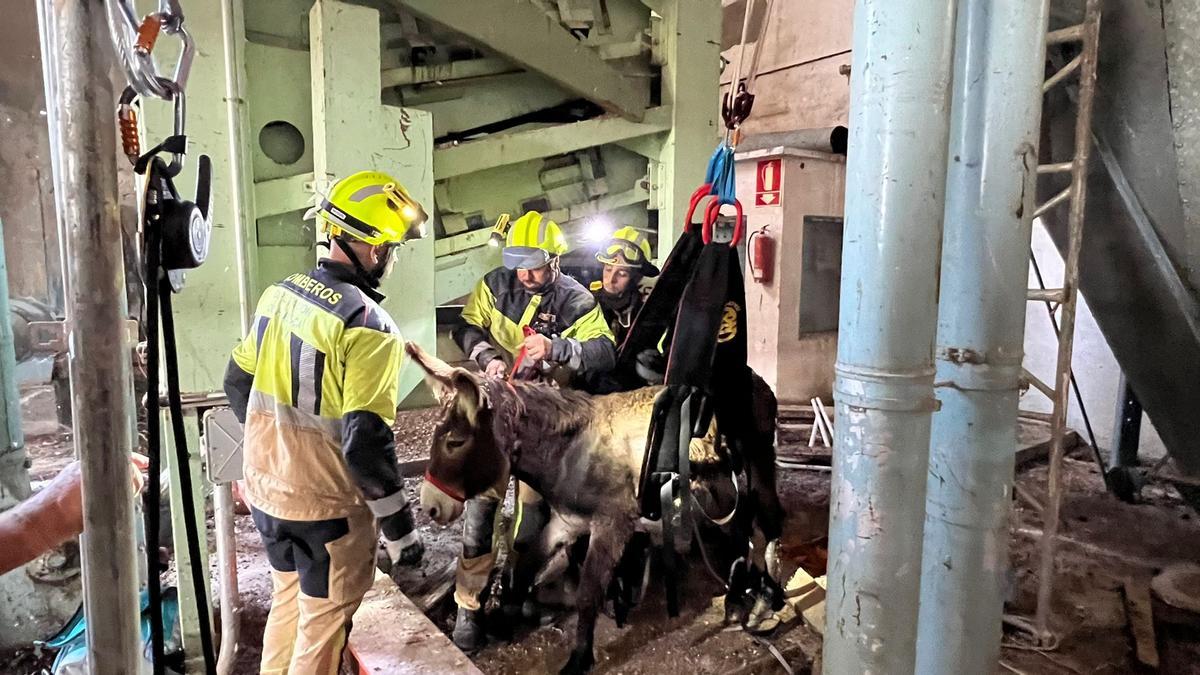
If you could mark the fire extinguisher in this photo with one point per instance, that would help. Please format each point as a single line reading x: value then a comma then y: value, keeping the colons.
x: 761, y: 255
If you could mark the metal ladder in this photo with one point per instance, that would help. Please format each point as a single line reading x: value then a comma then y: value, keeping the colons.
x: 1063, y: 300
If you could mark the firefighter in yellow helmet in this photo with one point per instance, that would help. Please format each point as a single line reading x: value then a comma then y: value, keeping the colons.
x: 568, y: 333
x: 315, y: 381
x: 626, y: 262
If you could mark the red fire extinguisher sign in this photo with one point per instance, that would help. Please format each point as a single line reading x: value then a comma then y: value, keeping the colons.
x: 768, y: 184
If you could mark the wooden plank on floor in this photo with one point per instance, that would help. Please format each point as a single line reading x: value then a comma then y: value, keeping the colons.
x: 1033, y: 440
x: 1141, y: 621
x: 392, y: 636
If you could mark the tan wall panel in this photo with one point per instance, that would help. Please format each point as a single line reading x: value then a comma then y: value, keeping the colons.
x: 805, y: 97
x: 798, y: 32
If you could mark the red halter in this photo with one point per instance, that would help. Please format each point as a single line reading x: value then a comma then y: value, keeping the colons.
x: 445, y: 489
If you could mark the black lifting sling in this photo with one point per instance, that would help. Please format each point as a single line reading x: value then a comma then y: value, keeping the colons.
x: 700, y: 299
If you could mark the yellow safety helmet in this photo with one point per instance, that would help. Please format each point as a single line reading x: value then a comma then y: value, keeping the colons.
x: 628, y: 248
x: 372, y: 207
x: 533, y: 240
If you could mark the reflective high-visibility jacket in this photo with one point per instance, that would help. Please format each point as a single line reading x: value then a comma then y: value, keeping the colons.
x: 316, y: 382
x: 500, y: 307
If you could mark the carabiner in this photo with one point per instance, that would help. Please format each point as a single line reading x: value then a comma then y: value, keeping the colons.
x: 710, y: 219
x: 697, y: 197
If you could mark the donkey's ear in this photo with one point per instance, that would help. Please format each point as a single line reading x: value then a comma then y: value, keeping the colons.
x: 437, y: 372
x: 469, y: 395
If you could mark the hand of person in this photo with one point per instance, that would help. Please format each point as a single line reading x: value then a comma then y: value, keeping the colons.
x: 139, y: 463
x: 537, y: 347
x: 67, y: 488
x: 496, y: 368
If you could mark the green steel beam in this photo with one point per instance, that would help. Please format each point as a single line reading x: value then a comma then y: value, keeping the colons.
x: 283, y: 195
x: 447, y: 72
x: 353, y: 130
x: 462, y: 242
x: 521, y: 32
x: 636, y: 195
x: 520, y: 146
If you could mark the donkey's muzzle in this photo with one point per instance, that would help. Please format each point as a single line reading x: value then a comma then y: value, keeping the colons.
x: 441, y: 507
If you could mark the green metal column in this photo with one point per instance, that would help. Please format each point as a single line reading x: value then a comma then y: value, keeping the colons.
x: 14, y: 477
x: 353, y: 131
x: 690, y: 36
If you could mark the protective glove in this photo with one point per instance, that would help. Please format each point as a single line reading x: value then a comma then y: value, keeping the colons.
x: 401, y: 540
x: 651, y: 366
x: 407, y: 550
x: 496, y: 368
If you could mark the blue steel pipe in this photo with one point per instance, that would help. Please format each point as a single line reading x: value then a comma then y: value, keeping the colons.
x: 895, y: 181
x: 990, y: 185
x: 11, y: 438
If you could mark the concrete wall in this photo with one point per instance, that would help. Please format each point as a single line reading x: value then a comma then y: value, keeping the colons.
x: 813, y: 184
x: 804, y: 50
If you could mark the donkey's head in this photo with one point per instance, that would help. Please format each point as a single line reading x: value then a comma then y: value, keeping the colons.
x: 464, y: 460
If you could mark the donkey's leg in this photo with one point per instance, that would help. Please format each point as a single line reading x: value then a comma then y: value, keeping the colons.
x: 608, y: 538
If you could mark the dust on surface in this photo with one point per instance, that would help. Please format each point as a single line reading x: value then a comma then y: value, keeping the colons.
x: 1105, y: 542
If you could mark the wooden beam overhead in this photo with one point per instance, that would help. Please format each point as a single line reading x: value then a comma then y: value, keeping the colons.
x: 521, y: 146
x: 519, y: 31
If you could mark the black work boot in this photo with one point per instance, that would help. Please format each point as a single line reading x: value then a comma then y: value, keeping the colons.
x: 468, y: 632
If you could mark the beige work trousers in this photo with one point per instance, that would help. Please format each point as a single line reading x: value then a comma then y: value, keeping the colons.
x: 472, y: 575
x: 306, y: 635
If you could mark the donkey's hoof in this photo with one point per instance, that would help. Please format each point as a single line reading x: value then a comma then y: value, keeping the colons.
x: 578, y: 664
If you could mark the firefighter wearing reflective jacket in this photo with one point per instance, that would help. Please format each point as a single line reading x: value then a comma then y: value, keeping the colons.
x: 316, y: 384
x: 568, y: 333
x: 626, y: 260
x: 569, y: 330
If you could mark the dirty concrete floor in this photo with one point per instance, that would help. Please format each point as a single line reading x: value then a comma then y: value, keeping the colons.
x: 1105, y: 542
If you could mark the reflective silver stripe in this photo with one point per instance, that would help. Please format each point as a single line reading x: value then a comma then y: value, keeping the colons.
x: 366, y: 191
x: 306, y: 396
x: 286, y: 414
x: 393, y: 503
x: 479, y: 349
x: 576, y: 360
x: 541, y: 237
x: 395, y: 548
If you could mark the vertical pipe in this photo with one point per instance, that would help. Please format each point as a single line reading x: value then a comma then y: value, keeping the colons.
x: 1127, y: 429
x: 990, y: 189
x: 231, y: 606
x: 241, y: 179
x: 1066, y: 335
x: 242, y: 191
x: 14, y: 478
x: 90, y: 228
x: 1122, y: 477
x: 895, y: 181
x: 49, y: 45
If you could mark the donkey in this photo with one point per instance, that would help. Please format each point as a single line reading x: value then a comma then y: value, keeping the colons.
x: 582, y: 453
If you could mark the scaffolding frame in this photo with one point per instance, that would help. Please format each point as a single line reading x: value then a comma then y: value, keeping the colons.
x: 1065, y: 300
